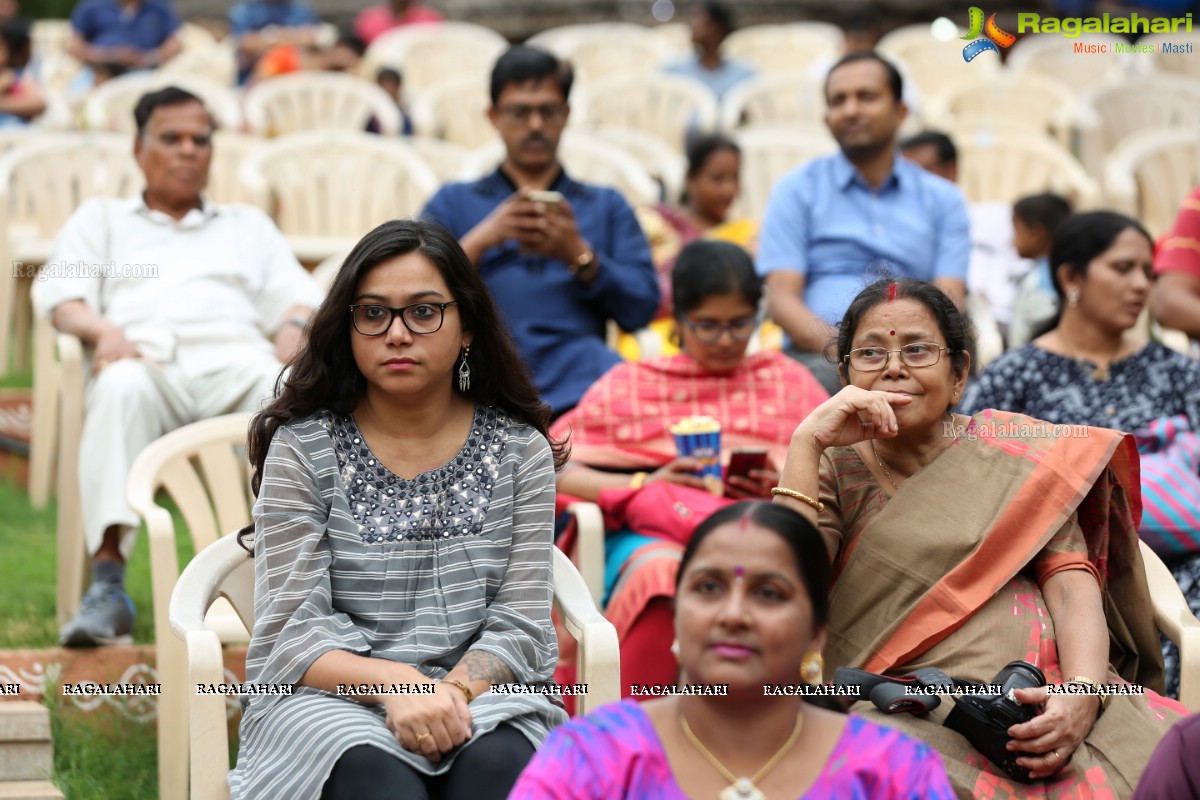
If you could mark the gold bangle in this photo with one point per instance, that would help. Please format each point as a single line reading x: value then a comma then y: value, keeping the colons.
x: 803, y: 498
x: 1083, y: 680
x: 464, y: 688
x: 638, y: 480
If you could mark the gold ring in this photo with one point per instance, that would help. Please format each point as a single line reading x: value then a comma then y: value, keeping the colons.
x: 422, y: 737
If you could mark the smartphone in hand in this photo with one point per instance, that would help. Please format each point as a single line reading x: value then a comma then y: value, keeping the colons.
x: 743, y: 460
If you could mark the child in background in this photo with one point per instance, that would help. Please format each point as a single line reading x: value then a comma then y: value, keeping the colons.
x: 392, y: 82
x: 20, y: 98
x: 1035, y: 218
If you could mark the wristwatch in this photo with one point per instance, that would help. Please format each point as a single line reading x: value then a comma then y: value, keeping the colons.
x: 1101, y: 695
x: 583, y: 266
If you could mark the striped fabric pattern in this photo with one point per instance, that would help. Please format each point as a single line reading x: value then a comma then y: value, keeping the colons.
x: 420, y: 601
x: 1170, y: 452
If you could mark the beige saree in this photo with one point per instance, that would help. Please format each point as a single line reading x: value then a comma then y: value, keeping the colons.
x: 947, y: 573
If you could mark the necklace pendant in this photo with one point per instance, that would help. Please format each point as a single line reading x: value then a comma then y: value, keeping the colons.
x: 742, y: 789
x: 1100, y: 374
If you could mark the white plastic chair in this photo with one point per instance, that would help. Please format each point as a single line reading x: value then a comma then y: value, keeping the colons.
x: 781, y: 99
x: 1054, y: 55
x: 769, y: 153
x: 633, y: 52
x: 661, y: 162
x: 1108, y: 114
x: 1149, y: 174
x: 666, y: 106
x: 311, y: 100
x: 202, y: 467
x: 928, y: 61
x: 229, y: 150
x: 1174, y: 64
x: 426, y: 55
x: 444, y: 158
x: 788, y: 49
x: 1003, y: 163
x: 455, y: 110
x: 1039, y: 101
x: 225, y: 570
x: 327, y: 189
x: 109, y: 107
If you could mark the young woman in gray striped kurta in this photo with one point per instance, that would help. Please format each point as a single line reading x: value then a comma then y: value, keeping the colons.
x: 448, y: 568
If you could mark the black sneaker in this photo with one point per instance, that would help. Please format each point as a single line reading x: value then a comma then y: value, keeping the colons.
x: 105, y: 617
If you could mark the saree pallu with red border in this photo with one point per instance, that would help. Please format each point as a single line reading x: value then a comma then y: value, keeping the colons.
x: 948, y: 573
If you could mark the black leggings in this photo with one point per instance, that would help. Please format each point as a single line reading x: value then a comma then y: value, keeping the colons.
x: 485, y: 770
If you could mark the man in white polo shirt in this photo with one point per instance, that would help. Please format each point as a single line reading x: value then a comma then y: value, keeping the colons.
x: 190, y: 310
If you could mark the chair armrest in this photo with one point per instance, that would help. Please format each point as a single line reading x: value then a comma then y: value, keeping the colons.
x: 209, y: 575
x: 1175, y: 619
x: 589, y: 546
x: 599, y: 653
x: 208, y: 733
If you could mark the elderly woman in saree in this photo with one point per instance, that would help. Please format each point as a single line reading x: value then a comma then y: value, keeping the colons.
x: 964, y: 543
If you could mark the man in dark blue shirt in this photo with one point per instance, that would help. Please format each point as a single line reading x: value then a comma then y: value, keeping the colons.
x: 129, y: 34
x: 259, y: 25
x: 561, y: 257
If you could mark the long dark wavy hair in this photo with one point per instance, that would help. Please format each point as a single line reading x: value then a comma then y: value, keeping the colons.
x: 324, y: 375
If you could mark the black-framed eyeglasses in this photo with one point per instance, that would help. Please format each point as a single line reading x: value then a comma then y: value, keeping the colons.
x: 420, y: 318
x: 915, y: 355
x: 709, y: 331
x: 551, y: 113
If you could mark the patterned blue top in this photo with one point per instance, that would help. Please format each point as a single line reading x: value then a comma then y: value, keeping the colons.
x: 615, y: 753
x: 1153, y: 382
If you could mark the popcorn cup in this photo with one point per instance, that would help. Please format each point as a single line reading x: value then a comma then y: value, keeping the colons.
x: 700, y: 438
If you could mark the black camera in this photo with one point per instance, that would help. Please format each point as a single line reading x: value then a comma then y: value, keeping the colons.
x: 984, y: 719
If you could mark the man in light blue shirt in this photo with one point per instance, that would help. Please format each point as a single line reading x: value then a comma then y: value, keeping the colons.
x: 837, y: 223
x: 710, y: 24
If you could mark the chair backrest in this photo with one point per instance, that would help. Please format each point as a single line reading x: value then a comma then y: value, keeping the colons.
x: 633, y: 52
x: 428, y: 54
x: 455, y: 110
x: 216, y: 62
x: 109, y: 107
x: 1054, y: 55
x: 1138, y: 104
x: 202, y: 468
x: 336, y: 183
x: 782, y: 99
x: 1039, y: 101
x: 230, y: 148
x: 444, y: 158
x: 563, y: 39
x: 666, y: 106
x: 789, y: 49
x: 586, y: 158
x: 928, y: 61
x: 1004, y: 163
x: 1180, y: 62
x: 311, y: 100
x: 1150, y: 173
x: 769, y: 153
x: 661, y: 162
x: 43, y: 182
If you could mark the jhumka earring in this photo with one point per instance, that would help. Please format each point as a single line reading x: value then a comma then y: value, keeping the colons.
x: 1073, y: 297
x: 812, y: 667
x: 675, y: 649
x: 464, y: 371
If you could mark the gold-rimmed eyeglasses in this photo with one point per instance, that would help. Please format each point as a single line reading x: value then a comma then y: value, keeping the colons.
x: 915, y: 355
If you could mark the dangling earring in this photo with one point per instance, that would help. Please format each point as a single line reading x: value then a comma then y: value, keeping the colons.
x: 1073, y: 297
x: 812, y: 667
x: 675, y: 650
x: 464, y: 371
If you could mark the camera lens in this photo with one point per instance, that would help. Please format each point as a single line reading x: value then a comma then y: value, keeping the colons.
x: 1019, y: 675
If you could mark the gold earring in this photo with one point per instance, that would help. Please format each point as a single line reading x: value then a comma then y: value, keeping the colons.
x: 675, y: 650
x: 812, y: 668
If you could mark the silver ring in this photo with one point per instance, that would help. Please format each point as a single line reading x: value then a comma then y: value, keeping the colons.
x: 1057, y: 757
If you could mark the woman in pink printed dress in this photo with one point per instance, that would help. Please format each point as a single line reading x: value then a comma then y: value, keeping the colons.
x: 751, y: 608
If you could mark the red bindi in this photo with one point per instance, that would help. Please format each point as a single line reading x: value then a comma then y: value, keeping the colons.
x: 893, y: 333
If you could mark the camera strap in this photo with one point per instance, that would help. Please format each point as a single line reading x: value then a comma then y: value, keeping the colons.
x: 897, y: 695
